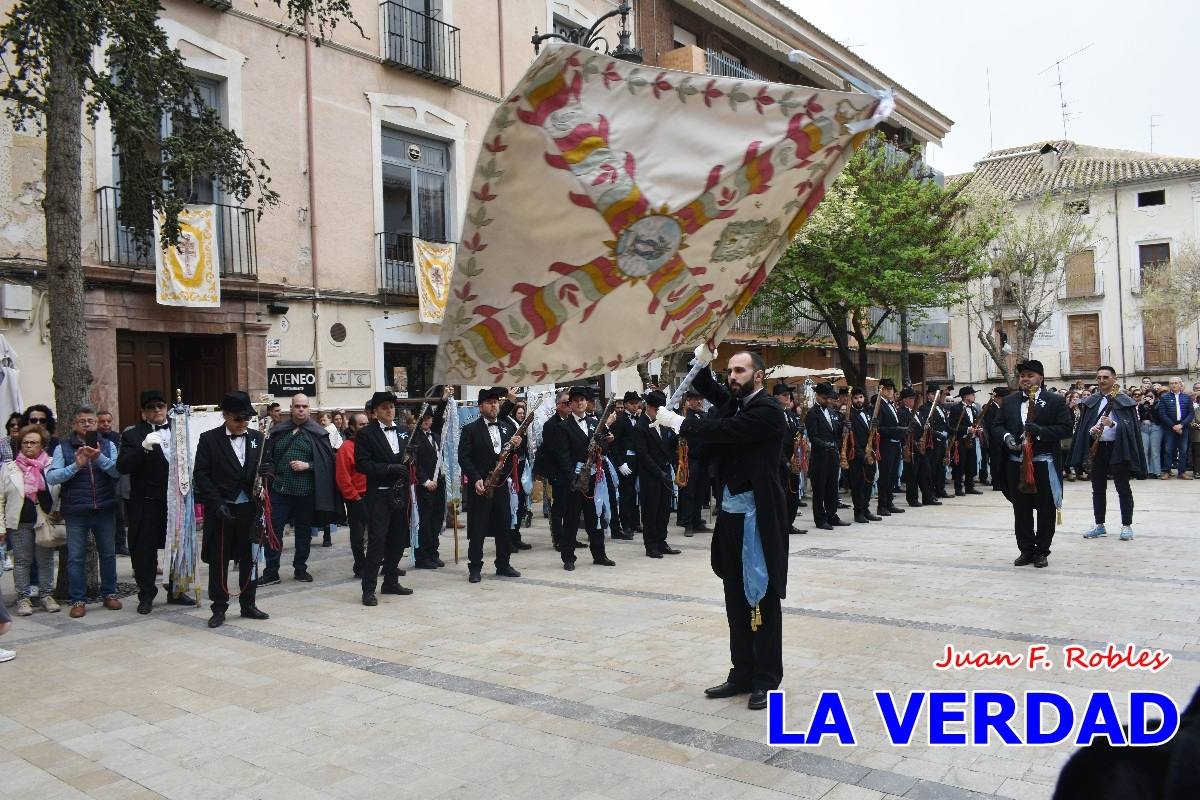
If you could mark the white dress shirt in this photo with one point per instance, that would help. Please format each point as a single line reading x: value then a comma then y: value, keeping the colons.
x: 493, y: 429
x: 238, y: 443
x: 1025, y: 406
x: 1108, y: 434
x: 392, y: 436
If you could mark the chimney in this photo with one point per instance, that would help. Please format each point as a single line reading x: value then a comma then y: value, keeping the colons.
x: 1049, y: 159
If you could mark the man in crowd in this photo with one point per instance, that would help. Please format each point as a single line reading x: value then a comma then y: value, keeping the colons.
x: 1107, y: 438
x: 299, y: 463
x: 105, y: 424
x: 742, y: 434
x: 824, y: 426
x: 694, y: 494
x: 547, y: 464
x: 1175, y: 415
x: 964, y: 425
x: 787, y: 450
x: 570, y: 451
x: 381, y: 454
x: 862, y: 474
x: 483, y: 441
x: 145, y: 456
x: 892, y: 431
x: 353, y: 487
x: 935, y: 456
x: 994, y: 451
x: 431, y: 486
x: 1030, y: 425
x: 624, y: 456
x: 655, y: 454
x: 86, y: 467
x: 224, y: 479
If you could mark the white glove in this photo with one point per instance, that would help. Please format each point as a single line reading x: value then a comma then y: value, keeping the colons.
x: 152, y: 438
x: 667, y: 418
x: 625, y: 470
x: 703, y: 354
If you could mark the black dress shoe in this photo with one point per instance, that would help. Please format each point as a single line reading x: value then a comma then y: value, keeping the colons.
x: 973, y: 490
x: 145, y: 606
x: 882, y: 512
x: 268, y: 579
x: 426, y: 565
x: 843, y: 505
x: 605, y: 562
x: 758, y: 700
x: 839, y: 523
x: 702, y: 528
x: 933, y: 502
x: 797, y: 531
x: 569, y: 566
x: 1023, y: 560
x: 303, y: 576
x: 803, y: 504
x: 253, y: 612
x: 369, y: 599
x: 180, y: 600
x: 394, y: 588
x: 1041, y: 562
x: 959, y: 493
x: 474, y: 578
x: 400, y: 570
x: 653, y: 554
x: 439, y: 562
x: 943, y: 495
x: 507, y: 572
x: 873, y: 517
x: 327, y: 542
x: 825, y: 526
x: 915, y: 504
x: 217, y: 619
x: 861, y: 518
x: 894, y: 510
x: 524, y: 546
x: 667, y: 550
x: 726, y: 689
x: 625, y: 536
x: 689, y: 532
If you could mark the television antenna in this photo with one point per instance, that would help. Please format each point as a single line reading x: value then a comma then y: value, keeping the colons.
x: 1062, y: 100
x: 1153, y: 125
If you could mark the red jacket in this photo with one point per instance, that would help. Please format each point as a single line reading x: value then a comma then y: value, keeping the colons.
x: 350, y: 482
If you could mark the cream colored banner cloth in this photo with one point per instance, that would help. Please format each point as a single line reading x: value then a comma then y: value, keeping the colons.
x: 434, y: 263
x: 189, y: 274
x: 622, y: 212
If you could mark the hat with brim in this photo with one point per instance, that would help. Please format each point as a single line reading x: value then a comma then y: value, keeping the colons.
x: 781, y: 388
x: 631, y: 397
x: 907, y: 392
x: 932, y: 387
x: 379, y: 398
x: 152, y: 396
x: 1032, y: 365
x: 1002, y: 391
x: 966, y: 390
x: 825, y: 390
x: 656, y: 399
x: 887, y: 383
x: 692, y: 394
x: 237, y: 403
x: 492, y: 393
x: 581, y: 391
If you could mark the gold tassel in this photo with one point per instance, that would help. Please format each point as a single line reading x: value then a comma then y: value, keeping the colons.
x: 755, y: 619
x: 1058, y: 514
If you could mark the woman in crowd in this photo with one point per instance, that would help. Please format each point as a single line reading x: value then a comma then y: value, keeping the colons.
x: 12, y: 428
x: 339, y: 422
x: 1148, y: 422
x: 1073, y: 398
x: 1194, y: 436
x: 22, y: 490
x: 42, y: 415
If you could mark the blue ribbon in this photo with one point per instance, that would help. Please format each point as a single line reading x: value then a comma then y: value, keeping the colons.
x: 1051, y: 470
x: 754, y: 563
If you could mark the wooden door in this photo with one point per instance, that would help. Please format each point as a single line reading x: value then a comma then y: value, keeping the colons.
x: 143, y: 362
x: 1084, y: 330
x: 203, y: 367
x: 1160, y: 345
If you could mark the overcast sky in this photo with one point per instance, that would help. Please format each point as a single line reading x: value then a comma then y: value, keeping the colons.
x: 1142, y: 60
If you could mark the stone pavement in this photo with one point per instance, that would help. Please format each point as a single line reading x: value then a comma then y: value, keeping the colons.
x: 588, y: 685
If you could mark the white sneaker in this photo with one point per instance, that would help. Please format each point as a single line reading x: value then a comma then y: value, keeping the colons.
x: 50, y: 605
x: 1126, y: 533
x: 24, y: 607
x: 8, y: 563
x: 7, y: 655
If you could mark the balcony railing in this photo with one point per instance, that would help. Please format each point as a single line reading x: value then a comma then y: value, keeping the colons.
x: 219, y: 5
x: 1083, y: 365
x: 419, y: 43
x: 993, y: 369
x: 724, y: 66
x: 128, y: 245
x: 1085, y: 283
x: 397, y: 272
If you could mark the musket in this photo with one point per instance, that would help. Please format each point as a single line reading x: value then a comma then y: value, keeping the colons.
x: 1028, y: 480
x: 585, y: 472
x: 496, y: 476
x: 847, y: 444
x: 952, y: 448
x: 1098, y: 429
x: 924, y: 442
x: 873, y: 430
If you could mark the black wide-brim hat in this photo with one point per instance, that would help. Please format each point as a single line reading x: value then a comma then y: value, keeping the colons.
x: 781, y: 388
x: 382, y: 397
x: 492, y: 393
x: 581, y: 391
x: 825, y: 390
x: 237, y: 403
x: 151, y: 396
x: 966, y: 390
x: 631, y: 397
x: 1032, y: 365
x: 907, y: 392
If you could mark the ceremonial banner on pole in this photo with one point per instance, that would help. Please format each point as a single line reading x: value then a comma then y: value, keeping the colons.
x: 434, y: 262
x: 189, y: 274
x: 622, y: 212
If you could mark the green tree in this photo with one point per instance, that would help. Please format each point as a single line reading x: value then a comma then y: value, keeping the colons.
x: 886, y: 239
x: 65, y: 60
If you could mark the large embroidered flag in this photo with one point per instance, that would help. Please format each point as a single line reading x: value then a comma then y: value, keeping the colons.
x: 621, y: 212
x: 434, y: 262
x: 189, y: 274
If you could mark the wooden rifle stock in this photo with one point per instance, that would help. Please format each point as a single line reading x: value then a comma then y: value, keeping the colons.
x: 873, y: 431
x: 496, y: 476
x: 582, y: 479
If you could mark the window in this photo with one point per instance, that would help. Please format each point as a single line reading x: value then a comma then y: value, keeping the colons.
x: 564, y: 27
x: 1158, y: 197
x: 1151, y: 256
x: 1081, y: 274
x: 683, y: 37
x: 416, y: 202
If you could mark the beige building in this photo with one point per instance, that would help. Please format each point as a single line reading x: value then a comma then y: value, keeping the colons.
x: 1144, y: 207
x: 371, y: 139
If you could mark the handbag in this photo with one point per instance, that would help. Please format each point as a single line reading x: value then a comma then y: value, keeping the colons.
x: 49, y: 531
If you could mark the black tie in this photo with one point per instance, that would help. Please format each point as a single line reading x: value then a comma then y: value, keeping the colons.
x: 390, y: 429
x: 491, y: 424
x: 162, y: 427
x: 237, y: 436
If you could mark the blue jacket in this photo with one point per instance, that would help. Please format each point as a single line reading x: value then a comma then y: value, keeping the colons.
x: 90, y: 488
x: 1166, y: 410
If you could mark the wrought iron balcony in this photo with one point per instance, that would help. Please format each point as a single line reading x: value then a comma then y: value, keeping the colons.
x: 125, y: 243
x: 219, y: 5
x: 1161, y: 359
x: 419, y: 43
x: 397, y: 271
x: 724, y: 66
x: 1083, y: 365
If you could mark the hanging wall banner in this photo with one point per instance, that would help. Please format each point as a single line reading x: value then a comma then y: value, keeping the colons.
x: 622, y: 212
x: 434, y: 263
x: 189, y: 274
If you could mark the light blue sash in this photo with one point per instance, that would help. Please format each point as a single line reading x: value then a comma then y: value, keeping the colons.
x: 754, y: 563
x: 1051, y: 470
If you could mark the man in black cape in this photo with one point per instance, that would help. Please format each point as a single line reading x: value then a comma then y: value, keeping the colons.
x: 742, y: 434
x: 1109, y: 420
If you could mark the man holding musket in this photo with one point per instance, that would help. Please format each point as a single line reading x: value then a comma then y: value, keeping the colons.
x: 824, y: 426
x: 655, y: 453
x: 963, y: 419
x: 381, y: 453
x: 892, y: 431
x: 1109, y: 438
x: 483, y: 440
x: 784, y: 395
x: 749, y: 544
x: 862, y: 474
x: 1030, y: 425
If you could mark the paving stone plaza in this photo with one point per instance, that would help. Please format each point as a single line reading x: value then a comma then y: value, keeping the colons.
x: 588, y: 685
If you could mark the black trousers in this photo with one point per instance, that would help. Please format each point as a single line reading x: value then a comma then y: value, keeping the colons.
x: 936, y: 459
x: 629, y: 502
x: 997, y: 458
x: 964, y: 471
x: 1031, y: 540
x: 579, y: 508
x: 692, y: 496
x: 823, y: 483
x: 791, y: 491
x: 615, y: 528
x: 356, y: 515
x: 889, y: 468
x: 489, y: 517
x: 387, y: 536
x: 560, y: 493
x: 861, y: 478
x: 147, y: 533
x: 230, y: 542
x: 985, y: 460
x: 1103, y: 468
x: 756, y: 656
x: 656, y: 513
x: 431, y: 506
x: 918, y: 480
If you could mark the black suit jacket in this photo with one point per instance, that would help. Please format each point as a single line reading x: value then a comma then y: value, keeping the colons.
x: 891, y: 427
x: 861, y: 428
x: 743, y: 440
x: 1054, y: 420
x: 624, y: 447
x: 1127, y: 447
x: 655, y: 453
x: 147, y: 471
x: 217, y: 477
x: 572, y: 444
x: 825, y: 439
x: 961, y: 423
x: 374, y: 458
x: 545, y: 463
x: 476, y: 456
